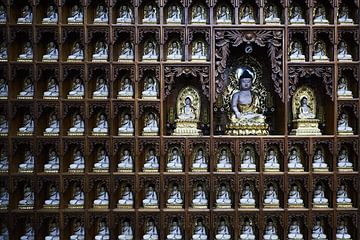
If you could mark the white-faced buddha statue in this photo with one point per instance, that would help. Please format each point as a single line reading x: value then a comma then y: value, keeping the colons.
x: 344, y: 15
x: 198, y: 52
x: 126, y: 198
x: 28, y: 198
x: 77, y: 89
x: 294, y: 161
x: 295, y: 231
x: 150, y: 231
x: 318, y: 232
x: 224, y: 162
x: 343, y: 124
x: 3, y: 14
x: 223, y: 198
x: 270, y: 232
x: 101, y: 52
x: 28, y: 163
x: 296, y: 52
x: 199, y: 15
x: 222, y: 231
x: 53, y: 199
x: 78, y: 162
x: 126, y: 232
x: 101, y: 15
x: 319, y: 163
x: 126, y: 89
x: 78, y: 232
x: 319, y: 199
x: 4, y: 125
x: 247, y: 231
x: 3, y: 51
x: 296, y: 15
x: 101, y: 89
x: 199, y: 197
x: 126, y: 52
x: 342, y: 231
x: 223, y: 15
x: 199, y: 162
x: 342, y: 197
x: 51, y: 54
x: 53, y: 232
x: 295, y: 199
x: 150, y: 88
x: 77, y: 53
x: 102, y: 125
x: 28, y: 89
x: 320, y: 52
x: 199, y: 232
x: 29, y: 233
x: 102, y: 161
x: 343, y: 53
x: 53, y: 125
x: 174, y: 161
x: 247, y: 15
x: 102, y: 197
x: 174, y: 51
x: 248, y: 161
x: 174, y: 197
x: 126, y: 15
x: 76, y: 15
x: 126, y: 162
x: 151, y: 161
x: 4, y: 161
x: 271, y: 162
x: 343, y: 90
x: 271, y: 197
x: 52, y: 88
x: 4, y: 89
x: 4, y: 198
x: 247, y: 197
x: 77, y: 198
x: 320, y: 15
x: 174, y: 15
x: 51, y: 16
x: 103, y: 232
x: 343, y: 161
x: 151, y: 125
x: 26, y: 16
x: 150, y: 14
x: 150, y: 198
x: 150, y: 52
x: 27, y: 53
x: 174, y: 232
x: 53, y: 162
x: 272, y: 15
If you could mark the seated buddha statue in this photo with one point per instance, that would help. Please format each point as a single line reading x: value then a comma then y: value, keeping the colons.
x: 4, y: 161
x: 223, y: 199
x: 29, y: 233
x: 101, y: 51
x: 294, y: 161
x: 53, y: 232
x: 199, y: 52
x: 53, y: 162
x: 271, y: 162
x: 4, y: 198
x: 151, y: 161
x: 248, y: 162
x: 51, y: 16
x: 150, y: 231
x: 174, y: 161
x: 76, y: 15
x: 150, y: 198
x: 77, y: 53
x: 77, y: 89
x: 28, y: 162
x: 247, y: 15
x: 101, y: 89
x: 271, y: 197
x: 199, y: 162
x: 295, y: 231
x: 174, y: 232
x: 343, y: 90
x: 320, y: 15
x: 343, y: 162
x: 78, y: 198
x: 224, y: 162
x: 151, y: 125
x: 343, y: 124
x: 102, y: 161
x: 342, y: 197
x: 296, y: 52
x: 295, y: 197
x: 304, y: 110
x: 296, y: 15
x: 319, y: 163
x: 52, y: 53
x: 223, y: 15
x: 198, y: 14
x: 53, y: 199
x: 199, y: 197
x: 53, y: 126
x: 342, y: 231
x: 4, y: 88
x: 28, y: 89
x: 125, y: 15
x: 3, y: 14
x: 222, y: 231
x: 101, y: 15
x: 150, y: 88
x: 318, y: 232
x: 102, y: 197
x: 199, y: 232
x: 272, y: 16
x: 126, y: 89
x: 4, y: 232
x: 319, y: 199
x: 174, y: 51
x: 126, y: 52
x: 150, y: 14
x: 247, y: 199
x: 320, y: 52
x: 26, y: 53
x: 126, y: 232
x: 103, y: 232
x: 126, y: 198
x: 270, y: 232
x: 174, y: 15
x: 78, y: 232
x: 247, y: 231
x: 126, y: 163
x: 126, y: 126
x: 78, y: 162
x: 150, y: 52
x: 344, y: 15
x: 26, y: 16
x: 174, y: 197
x: 343, y: 54
x: 4, y: 55
x: 102, y: 125
x: 28, y: 198
x: 4, y: 125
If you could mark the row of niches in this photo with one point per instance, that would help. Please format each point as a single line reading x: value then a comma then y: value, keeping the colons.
x: 174, y: 226
x: 149, y: 12
x: 149, y: 159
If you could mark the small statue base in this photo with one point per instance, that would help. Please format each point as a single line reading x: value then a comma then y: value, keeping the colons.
x: 198, y: 60
x: 46, y: 134
x: 296, y: 169
x: 24, y: 60
x: 3, y: 98
x: 51, y: 206
x: 169, y: 60
x: 320, y: 169
x: 151, y: 206
x: 149, y: 98
x: 324, y: 22
x: 199, y: 206
x: 100, y: 97
x: 345, y: 59
x: 97, y: 170
x: 76, y: 171
x: 3, y: 60
x: 268, y: 205
x: 297, y: 23
x: 23, y: 134
x: 145, y: 21
x: 125, y: 134
x: 296, y: 205
x: 75, y: 60
x: 74, y: 97
x: 318, y: 205
x: 248, y: 170
x: 226, y: 206
x: 344, y: 205
x: 4, y: 171
x: 272, y: 23
x: 3, y: 134
x: 224, y: 170
x: 99, y: 134
x: 345, y: 169
x: 51, y: 171
x: 306, y: 127
x: 198, y: 170
x: 49, y: 60
x: 127, y: 98
x: 173, y: 170
x: 247, y: 205
x: 3, y: 207
x: 51, y: 98
x: 149, y: 59
x: 126, y: 60
x: 174, y: 206
x: 49, y: 23
x: 124, y: 206
x: 71, y: 206
x: 271, y: 170
x: 239, y: 129
x: 247, y: 22
x: 223, y: 22
x: 101, y: 206
x: 345, y: 133
x: 75, y: 23
x: 346, y: 97
x: 25, y: 97
x: 150, y: 170
x: 343, y: 238
x: 297, y: 60
x: 99, y: 60
x: 198, y: 22
x: 173, y: 22
x: 26, y: 170
x: 347, y: 23
x: 150, y: 133
x: 26, y: 207
x: 187, y: 128
x: 125, y: 170
x: 321, y: 59
x: 75, y: 134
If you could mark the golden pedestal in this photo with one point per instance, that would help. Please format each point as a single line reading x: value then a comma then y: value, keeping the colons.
x: 125, y: 206
x: 2, y: 207
x: 125, y: 170
x: 344, y: 205
x: 317, y: 205
x: 25, y: 97
x: 3, y: 98
x: 74, y: 97
x: 271, y: 170
x: 99, y: 134
x: 75, y: 60
x: 51, y: 171
x: 97, y: 170
x: 320, y: 169
x: 150, y: 170
x: 268, y: 205
x: 150, y: 133
x: 125, y: 134
x: 75, y: 133
x: 25, y: 207
x: 248, y: 170
x: 174, y: 206
x: 238, y: 128
x: 177, y: 170
x: 151, y: 206
x: 99, y: 60
x: 76, y: 170
x: 127, y: 98
x: 198, y: 170
x: 26, y: 171
x: 71, y: 206
x: 24, y: 60
x: 224, y: 170
x: 4, y: 171
x: 3, y: 134
x: 46, y: 134
x: 305, y: 127
x: 24, y: 134
x: 247, y: 205
x: 3, y: 60
x: 51, y: 98
x: 49, y: 60
x: 345, y: 132
x: 296, y: 169
x: 345, y: 169
x: 223, y: 206
x: 100, y: 97
x: 51, y: 206
x: 296, y: 205
x: 187, y: 128
x: 199, y: 206
x: 101, y: 206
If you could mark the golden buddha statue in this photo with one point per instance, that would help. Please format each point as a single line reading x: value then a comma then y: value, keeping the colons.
x: 304, y: 112
x: 188, y: 112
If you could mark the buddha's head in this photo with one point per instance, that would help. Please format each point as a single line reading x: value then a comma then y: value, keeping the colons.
x: 245, y: 80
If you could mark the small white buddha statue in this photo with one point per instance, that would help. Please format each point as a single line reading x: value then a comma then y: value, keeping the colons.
x: 174, y: 197
x: 4, y: 161
x: 305, y: 112
x: 270, y: 232
x: 198, y: 52
x: 78, y: 232
x: 53, y: 125
x: 295, y: 197
x: 224, y: 163
x: 125, y: 15
x: 78, y: 125
x: 28, y: 88
x: 77, y: 53
x: 320, y: 52
x: 151, y: 162
x: 127, y: 52
x: 271, y: 197
x: 342, y: 231
x: 29, y: 233
x: 150, y: 198
x: 4, y: 198
x: 78, y: 197
x: 271, y: 15
x: 27, y: 126
x: 102, y: 125
x: 4, y: 125
x: 343, y: 54
x: 174, y: 15
x: 51, y: 16
x: 77, y: 89
x: 198, y: 14
x: 26, y: 53
x: 222, y: 231
x: 343, y: 124
x: 101, y: 52
x: 271, y: 162
x: 102, y: 89
x: 295, y: 52
x: 151, y: 125
x: 174, y: 51
x: 320, y: 15
x: 150, y: 88
x: 150, y: 14
x: 3, y: 51
x: 53, y: 163
x: 4, y: 89
x: 126, y: 89
x: 319, y: 198
x: 199, y: 163
x: 26, y: 15
x: 102, y: 197
x: 247, y: 14
x: 126, y: 126
x: 126, y: 232
x: 294, y: 161
x: 103, y: 232
x: 247, y: 197
x: 174, y: 231
x: 344, y: 16
x: 4, y: 234
x: 28, y: 198
x: 52, y: 53
x: 126, y: 198
x: 53, y: 199
x: 295, y: 231
x: 76, y: 15
x: 318, y: 232
x: 78, y: 163
x: 342, y: 198
x: 101, y: 15
x: 248, y: 162
x: 3, y: 14
x: 199, y: 197
x: 296, y: 15
x: 52, y: 88
x: 126, y: 162
x: 247, y: 231
x: 28, y: 163
x: 102, y: 161
x: 223, y: 15
x: 53, y: 232
x: 199, y: 232
x: 319, y: 163
x: 343, y: 161
x: 150, y: 232
x: 174, y: 161
x: 150, y: 51
x: 223, y: 198
x: 343, y: 90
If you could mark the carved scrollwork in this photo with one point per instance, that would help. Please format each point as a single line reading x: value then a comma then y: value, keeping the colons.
x: 70, y: 218
x: 258, y: 2
x: 253, y: 180
x: 194, y: 217
x: 300, y: 217
x: 179, y: 143
x: 252, y: 142
x: 95, y: 71
x: 46, y: 144
x: 21, y: 31
x: 95, y: 143
x: 119, y: 143
x: 350, y: 142
x: 72, y: 107
x: 349, y: 216
x: 73, y: 180
x: 74, y: 143
x: 96, y: 217
x: 319, y: 33
x: 145, y: 143
x: 102, y: 32
x: 120, y: 181
x: 352, y: 68
x: 174, y: 32
x: 47, y: 31
x: 218, y: 144
x: 82, y: 2
x: 233, y: 2
x: 23, y: 108
x: 348, y: 104
x: 46, y: 182
x: 145, y: 70
x: 22, y: 144
x: 154, y: 32
x: 97, y: 107
x: 276, y: 217
x: 302, y: 180
x: 119, y: 219
x: 190, y: 2
x: 120, y: 71
x: 157, y: 2
x: 120, y: 107
x: 193, y: 143
x: 120, y: 33
x: 326, y: 142
x: 204, y: 32
x: 146, y: 181
x: 154, y: 106
x: 173, y: 179
x: 193, y: 181
x: 229, y: 219
x: 22, y: 180
x: 68, y: 32
x: 303, y: 143
x: 272, y: 40
x: 47, y: 71
x: 321, y: 179
x: 96, y: 181
x: 49, y: 107
x: 22, y: 69
x: 326, y: 217
x: 171, y: 217
x: 352, y: 33
x: 74, y: 70
x: 228, y: 180
x: 145, y: 217
x: 303, y: 31
x: 268, y: 143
